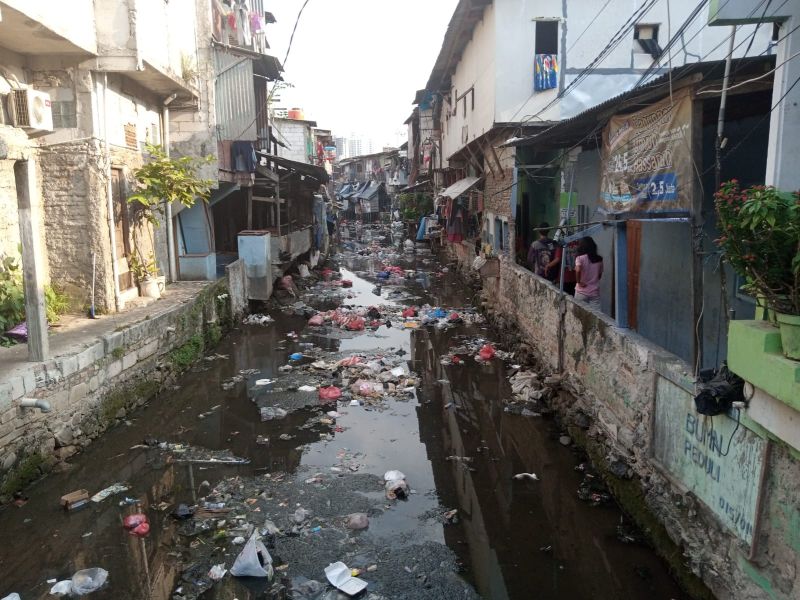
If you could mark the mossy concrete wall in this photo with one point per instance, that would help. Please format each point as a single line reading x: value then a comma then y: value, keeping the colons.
x: 609, y: 389
x: 96, y: 384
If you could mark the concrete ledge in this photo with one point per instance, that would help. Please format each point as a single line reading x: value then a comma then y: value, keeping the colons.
x: 755, y: 355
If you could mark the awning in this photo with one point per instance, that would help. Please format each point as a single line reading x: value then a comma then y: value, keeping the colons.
x: 462, y: 186
x: 426, y: 183
x: 370, y: 191
x: 224, y: 190
x: 346, y: 191
x: 306, y: 169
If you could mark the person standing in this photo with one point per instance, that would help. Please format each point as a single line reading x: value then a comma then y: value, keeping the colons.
x: 544, y: 255
x: 588, y: 271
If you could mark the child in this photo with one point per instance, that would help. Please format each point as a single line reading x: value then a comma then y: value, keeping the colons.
x: 588, y: 271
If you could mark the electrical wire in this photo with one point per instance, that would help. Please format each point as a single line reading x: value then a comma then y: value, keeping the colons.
x: 746, y: 81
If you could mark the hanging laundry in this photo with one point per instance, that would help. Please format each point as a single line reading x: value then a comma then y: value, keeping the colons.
x: 256, y: 22
x: 243, y: 157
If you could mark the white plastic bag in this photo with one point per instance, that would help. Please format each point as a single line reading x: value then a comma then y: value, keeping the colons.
x: 13, y: 596
x: 87, y: 581
x: 253, y: 561
x: 303, y: 270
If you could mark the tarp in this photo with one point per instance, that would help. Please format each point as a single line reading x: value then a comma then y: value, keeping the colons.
x: 462, y: 186
x: 647, y: 159
x: 370, y: 192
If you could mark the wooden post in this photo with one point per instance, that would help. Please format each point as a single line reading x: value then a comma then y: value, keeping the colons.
x: 32, y: 267
x: 621, y: 273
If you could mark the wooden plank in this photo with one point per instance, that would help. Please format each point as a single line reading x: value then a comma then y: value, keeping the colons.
x: 32, y: 261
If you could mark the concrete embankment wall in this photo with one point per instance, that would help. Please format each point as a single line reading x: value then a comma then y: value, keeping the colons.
x: 728, y: 517
x: 97, y: 383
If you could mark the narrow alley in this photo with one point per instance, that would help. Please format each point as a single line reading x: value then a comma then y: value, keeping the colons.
x: 466, y: 528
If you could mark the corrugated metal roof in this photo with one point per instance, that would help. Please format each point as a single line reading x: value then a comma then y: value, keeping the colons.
x: 462, y: 186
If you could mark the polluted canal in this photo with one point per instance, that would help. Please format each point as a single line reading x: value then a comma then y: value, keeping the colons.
x: 342, y: 425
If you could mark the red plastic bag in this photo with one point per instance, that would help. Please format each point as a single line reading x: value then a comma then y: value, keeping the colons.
x: 134, y: 520
x: 330, y: 393
x: 141, y: 530
x: 355, y: 324
x: 316, y: 321
x: 411, y: 311
x: 347, y: 283
x: 487, y: 352
x: 350, y: 361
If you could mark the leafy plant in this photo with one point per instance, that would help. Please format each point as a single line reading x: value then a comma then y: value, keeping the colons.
x: 12, y: 296
x: 413, y: 206
x: 165, y: 179
x: 56, y: 303
x: 141, y: 268
x: 761, y: 240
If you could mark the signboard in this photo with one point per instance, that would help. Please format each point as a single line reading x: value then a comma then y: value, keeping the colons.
x: 722, y: 468
x: 545, y: 72
x: 647, y: 159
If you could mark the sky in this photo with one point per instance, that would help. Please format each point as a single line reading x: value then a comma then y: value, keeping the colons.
x: 356, y: 64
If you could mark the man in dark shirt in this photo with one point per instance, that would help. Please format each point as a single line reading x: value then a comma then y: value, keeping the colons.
x: 544, y: 255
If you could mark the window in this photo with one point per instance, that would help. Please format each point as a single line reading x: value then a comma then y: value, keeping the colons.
x: 65, y: 114
x: 646, y: 40
x: 546, y: 37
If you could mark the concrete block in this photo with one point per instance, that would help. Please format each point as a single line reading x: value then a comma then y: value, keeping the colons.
x: 114, y: 369
x: 58, y: 400
x: 5, y: 396
x: 111, y: 341
x: 69, y: 365
x: 17, y: 387
x: 8, y: 415
x: 94, y: 383
x: 29, y: 381
x: 129, y: 360
x: 148, y: 350
x: 90, y: 356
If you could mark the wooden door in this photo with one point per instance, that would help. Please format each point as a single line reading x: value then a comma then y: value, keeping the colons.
x: 634, y: 260
x: 122, y: 231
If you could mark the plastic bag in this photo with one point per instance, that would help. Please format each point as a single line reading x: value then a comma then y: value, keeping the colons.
x: 357, y: 521
x: 396, y: 486
x: 253, y: 561
x: 355, y: 324
x: 134, y: 520
x: 350, y: 361
x: 303, y: 270
x: 410, y: 311
x: 268, y: 413
x: 316, y: 321
x: 307, y: 589
x: 87, y: 581
x: 12, y: 596
x: 487, y: 352
x: 330, y: 393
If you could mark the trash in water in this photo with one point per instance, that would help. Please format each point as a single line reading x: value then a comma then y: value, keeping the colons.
x: 357, y: 521
x: 307, y: 388
x: 83, y: 582
x: 316, y: 321
x: 300, y: 515
x: 307, y: 589
x: 117, y: 488
x: 339, y: 576
x: 74, y: 499
x: 330, y: 393
x: 261, y: 382
x: 257, y: 319
x: 268, y: 413
x: 396, y: 486
x: 296, y: 356
x: 217, y: 572
x: 531, y: 476
x: 486, y: 352
x: 12, y: 596
x: 254, y: 560
x: 137, y: 524
x: 182, y: 512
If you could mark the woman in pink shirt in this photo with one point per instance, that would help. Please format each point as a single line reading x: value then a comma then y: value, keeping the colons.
x: 588, y: 271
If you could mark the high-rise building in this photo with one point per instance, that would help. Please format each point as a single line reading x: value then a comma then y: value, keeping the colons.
x: 354, y: 147
x: 342, y: 150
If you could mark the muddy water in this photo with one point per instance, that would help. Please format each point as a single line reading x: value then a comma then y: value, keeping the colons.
x: 515, y: 539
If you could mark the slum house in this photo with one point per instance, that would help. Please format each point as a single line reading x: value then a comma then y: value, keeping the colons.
x: 83, y: 91
x: 242, y: 70
x: 499, y: 76
x: 643, y: 165
x: 373, y: 200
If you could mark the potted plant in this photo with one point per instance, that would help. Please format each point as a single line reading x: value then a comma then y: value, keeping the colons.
x: 760, y: 238
x: 146, y: 274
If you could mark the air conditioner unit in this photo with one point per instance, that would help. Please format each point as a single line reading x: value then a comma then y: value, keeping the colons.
x: 30, y: 110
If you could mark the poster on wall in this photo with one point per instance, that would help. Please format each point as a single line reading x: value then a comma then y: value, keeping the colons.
x: 647, y: 159
x: 545, y: 72
x: 718, y: 461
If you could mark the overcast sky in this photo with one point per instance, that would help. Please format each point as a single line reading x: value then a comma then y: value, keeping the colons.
x: 356, y: 64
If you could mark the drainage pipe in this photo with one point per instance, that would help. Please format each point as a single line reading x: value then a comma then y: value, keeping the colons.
x: 173, y: 270
x: 112, y: 230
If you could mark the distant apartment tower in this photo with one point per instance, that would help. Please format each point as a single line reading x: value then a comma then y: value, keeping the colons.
x: 341, y: 148
x: 354, y: 147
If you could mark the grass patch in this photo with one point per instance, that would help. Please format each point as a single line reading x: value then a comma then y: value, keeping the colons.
x: 27, y: 471
x: 185, y: 355
x: 118, y: 352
